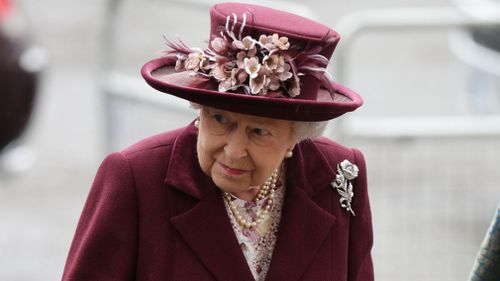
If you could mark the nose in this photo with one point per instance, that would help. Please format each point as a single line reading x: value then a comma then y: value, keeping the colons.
x: 236, y: 144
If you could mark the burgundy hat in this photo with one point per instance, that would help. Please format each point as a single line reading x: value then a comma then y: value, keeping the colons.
x: 259, y: 61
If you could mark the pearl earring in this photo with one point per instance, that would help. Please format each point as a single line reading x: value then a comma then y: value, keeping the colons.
x: 197, y: 122
x: 289, y: 153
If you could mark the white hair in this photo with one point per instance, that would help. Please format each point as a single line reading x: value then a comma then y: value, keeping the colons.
x: 302, y: 129
x: 308, y: 130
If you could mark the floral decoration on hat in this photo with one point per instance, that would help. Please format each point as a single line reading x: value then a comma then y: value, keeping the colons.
x: 270, y: 65
x: 346, y: 172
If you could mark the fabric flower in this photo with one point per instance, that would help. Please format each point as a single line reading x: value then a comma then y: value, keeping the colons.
x: 271, y: 62
x: 252, y: 67
x: 219, y: 45
x: 246, y: 44
x: 226, y: 85
x: 236, y: 78
x: 266, y: 41
x: 285, y: 74
x: 196, y: 61
x: 239, y: 75
x: 219, y: 72
x: 257, y: 84
x: 274, y: 83
x: 240, y: 59
x: 280, y: 42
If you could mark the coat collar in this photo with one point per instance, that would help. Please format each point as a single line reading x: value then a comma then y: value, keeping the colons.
x: 303, y: 227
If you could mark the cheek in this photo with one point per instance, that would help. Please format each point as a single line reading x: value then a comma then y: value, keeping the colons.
x: 271, y: 157
x: 267, y: 161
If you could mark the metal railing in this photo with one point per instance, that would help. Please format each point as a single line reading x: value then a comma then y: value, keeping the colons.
x: 352, y: 26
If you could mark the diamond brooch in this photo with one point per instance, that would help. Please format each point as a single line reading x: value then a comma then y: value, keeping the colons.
x: 346, y: 172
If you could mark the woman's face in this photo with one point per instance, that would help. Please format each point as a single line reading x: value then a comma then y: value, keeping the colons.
x: 241, y: 151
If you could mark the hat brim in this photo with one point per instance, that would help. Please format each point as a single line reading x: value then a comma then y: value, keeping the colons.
x: 160, y: 74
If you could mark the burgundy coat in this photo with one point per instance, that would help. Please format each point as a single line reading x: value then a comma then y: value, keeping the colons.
x: 152, y: 214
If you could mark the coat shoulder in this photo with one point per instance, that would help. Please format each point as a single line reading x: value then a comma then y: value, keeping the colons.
x: 153, y: 143
x: 146, y: 159
x: 335, y: 152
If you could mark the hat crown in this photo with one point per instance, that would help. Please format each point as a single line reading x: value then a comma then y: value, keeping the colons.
x: 263, y: 20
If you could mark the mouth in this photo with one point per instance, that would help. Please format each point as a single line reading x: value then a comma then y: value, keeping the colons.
x: 232, y: 171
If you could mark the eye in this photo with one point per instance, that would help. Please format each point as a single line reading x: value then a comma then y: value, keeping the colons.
x: 219, y: 118
x: 261, y: 132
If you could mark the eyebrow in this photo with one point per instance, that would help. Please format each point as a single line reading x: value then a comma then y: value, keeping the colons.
x: 260, y: 121
x: 264, y: 122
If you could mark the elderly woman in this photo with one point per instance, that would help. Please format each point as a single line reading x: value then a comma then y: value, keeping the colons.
x: 247, y: 191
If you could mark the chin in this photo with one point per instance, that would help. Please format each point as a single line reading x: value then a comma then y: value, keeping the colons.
x: 229, y: 186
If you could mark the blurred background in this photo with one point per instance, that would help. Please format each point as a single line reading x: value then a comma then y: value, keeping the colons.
x: 429, y: 70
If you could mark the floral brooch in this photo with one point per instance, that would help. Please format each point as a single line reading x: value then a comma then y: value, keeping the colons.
x: 346, y: 172
x: 269, y: 63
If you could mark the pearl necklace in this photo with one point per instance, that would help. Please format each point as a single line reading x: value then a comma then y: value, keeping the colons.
x: 268, y: 188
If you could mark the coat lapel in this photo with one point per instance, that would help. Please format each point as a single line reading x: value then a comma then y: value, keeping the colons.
x: 207, y: 230
x: 304, y: 225
x: 205, y: 227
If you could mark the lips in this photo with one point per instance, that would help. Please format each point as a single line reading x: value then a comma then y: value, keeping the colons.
x: 232, y: 171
